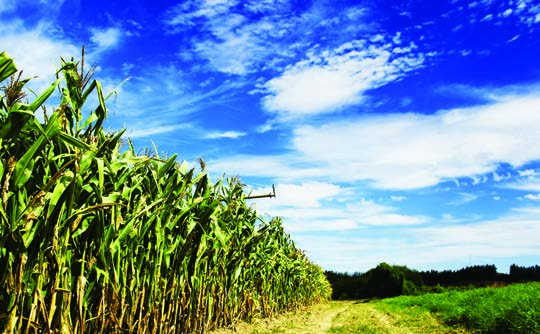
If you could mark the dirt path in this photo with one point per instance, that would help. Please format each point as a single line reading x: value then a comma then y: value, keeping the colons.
x: 365, y: 318
x: 315, y: 319
x: 344, y: 317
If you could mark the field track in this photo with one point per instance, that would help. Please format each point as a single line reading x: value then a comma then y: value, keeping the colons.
x: 344, y: 317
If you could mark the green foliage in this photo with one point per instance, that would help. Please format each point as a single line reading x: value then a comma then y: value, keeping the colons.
x: 383, y: 281
x: 96, y: 239
x: 410, y: 289
x: 344, y: 286
x: 512, y: 309
x: 357, y: 286
x: 473, y: 275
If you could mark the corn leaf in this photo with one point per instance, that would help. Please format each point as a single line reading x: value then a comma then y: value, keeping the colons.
x: 7, y: 66
x: 24, y: 167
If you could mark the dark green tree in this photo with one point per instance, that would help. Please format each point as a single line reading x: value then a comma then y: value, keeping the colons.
x: 383, y: 281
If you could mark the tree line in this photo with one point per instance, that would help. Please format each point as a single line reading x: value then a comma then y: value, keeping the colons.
x: 393, y: 280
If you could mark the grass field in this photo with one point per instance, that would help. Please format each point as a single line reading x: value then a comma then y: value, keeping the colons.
x: 512, y: 309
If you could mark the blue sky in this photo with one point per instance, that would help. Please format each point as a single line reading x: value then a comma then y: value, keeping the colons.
x: 395, y: 131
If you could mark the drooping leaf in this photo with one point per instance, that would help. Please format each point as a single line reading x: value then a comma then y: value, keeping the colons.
x: 7, y: 66
x: 24, y: 167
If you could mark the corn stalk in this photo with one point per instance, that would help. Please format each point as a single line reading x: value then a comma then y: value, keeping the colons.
x: 97, y: 239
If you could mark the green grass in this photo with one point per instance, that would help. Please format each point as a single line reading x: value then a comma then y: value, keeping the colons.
x: 513, y: 309
x: 378, y: 317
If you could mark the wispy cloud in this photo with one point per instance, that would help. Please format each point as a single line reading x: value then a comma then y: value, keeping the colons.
x: 407, y: 151
x: 527, y: 173
x: 7, y: 5
x: 162, y: 97
x: 526, y: 12
x: 530, y: 185
x: 533, y: 197
x: 449, y: 144
x: 509, y: 238
x: 331, y: 79
x: 41, y: 7
x: 463, y: 198
x: 234, y: 43
x: 527, y: 181
x: 282, y: 167
x: 36, y: 50
x: 510, y: 235
x: 318, y: 206
x: 106, y: 38
x: 244, y: 37
x: 145, y: 130
x: 370, y: 213
x: 225, y: 134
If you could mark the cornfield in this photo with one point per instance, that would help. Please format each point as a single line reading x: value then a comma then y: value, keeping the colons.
x: 97, y: 239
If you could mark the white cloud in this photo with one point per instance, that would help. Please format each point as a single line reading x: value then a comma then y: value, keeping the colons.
x: 463, y: 198
x: 526, y: 11
x: 527, y: 172
x: 499, y: 178
x: 321, y: 225
x: 7, y: 5
x: 304, y: 195
x: 36, y: 51
x: 451, y: 245
x: 225, y: 134
x: 368, y: 208
x: 370, y: 213
x: 236, y: 44
x: 285, y: 168
x: 478, y: 179
x: 488, y: 17
x: 318, y: 206
x: 262, y: 6
x: 48, y: 6
x: 186, y: 13
x: 268, y: 126
x: 242, y: 46
x: 105, y: 38
x: 533, y: 197
x: 413, y: 151
x: 127, y: 68
x: 309, y: 206
x: 139, y: 104
x: 234, y: 55
x: 407, y: 151
x: 334, y: 79
x: 507, y: 12
x: 528, y: 184
x: 243, y: 37
x: 146, y: 130
x: 392, y: 219
x: 511, y: 235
